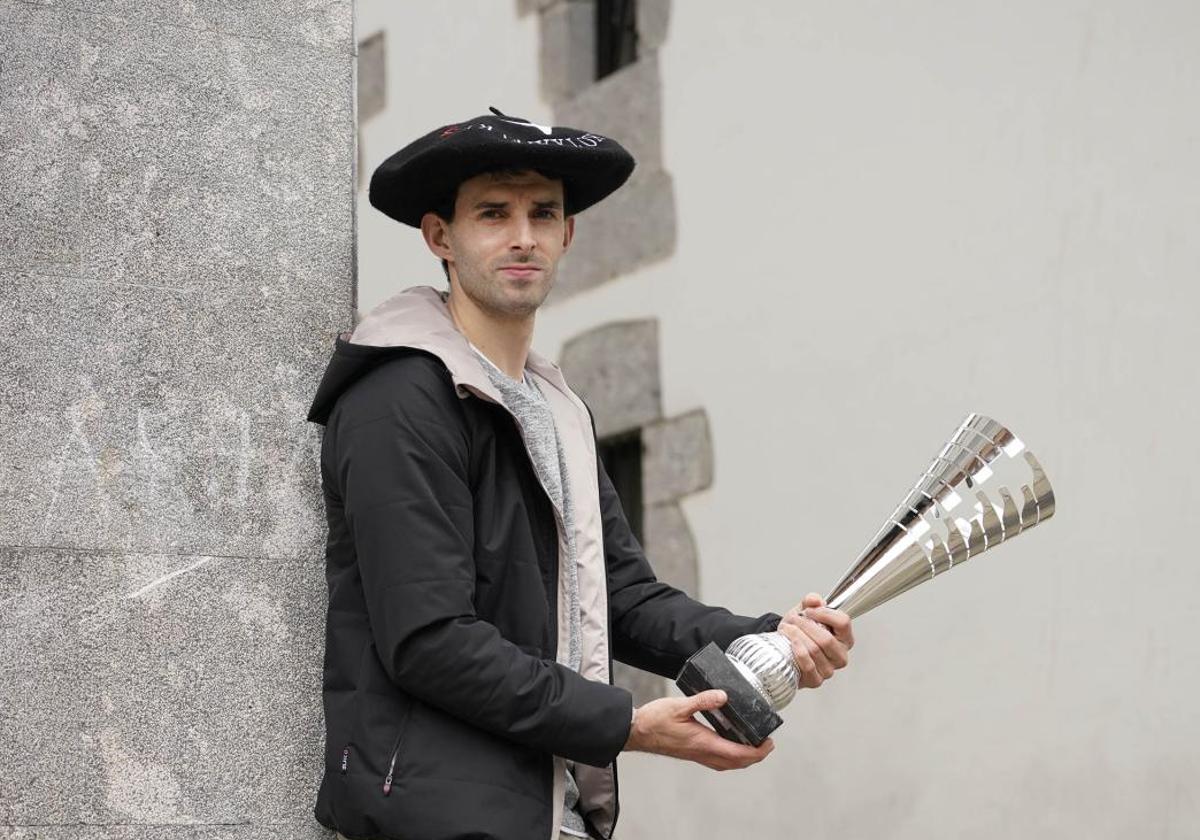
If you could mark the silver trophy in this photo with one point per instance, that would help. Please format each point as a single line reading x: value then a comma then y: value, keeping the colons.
x: 983, y: 488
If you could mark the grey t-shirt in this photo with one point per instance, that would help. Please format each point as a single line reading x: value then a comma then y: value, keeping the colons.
x: 536, y: 421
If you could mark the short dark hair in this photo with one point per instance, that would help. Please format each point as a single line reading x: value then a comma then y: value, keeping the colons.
x: 444, y: 209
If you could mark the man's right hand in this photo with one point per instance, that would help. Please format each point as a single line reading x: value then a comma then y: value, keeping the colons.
x: 667, y: 727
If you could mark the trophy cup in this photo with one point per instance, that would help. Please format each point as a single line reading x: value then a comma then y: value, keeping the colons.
x: 983, y: 488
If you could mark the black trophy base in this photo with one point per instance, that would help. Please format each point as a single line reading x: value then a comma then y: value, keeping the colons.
x: 747, y: 717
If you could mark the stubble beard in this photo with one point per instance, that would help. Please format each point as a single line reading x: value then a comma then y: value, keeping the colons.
x: 484, y: 289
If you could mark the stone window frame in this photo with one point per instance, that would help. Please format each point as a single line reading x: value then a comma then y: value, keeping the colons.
x: 615, y: 368
x: 370, y: 84
x: 636, y: 225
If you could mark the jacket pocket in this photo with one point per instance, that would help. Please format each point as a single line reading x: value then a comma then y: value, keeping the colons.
x: 395, y: 751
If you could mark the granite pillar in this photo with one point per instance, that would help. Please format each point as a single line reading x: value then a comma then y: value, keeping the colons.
x: 176, y: 255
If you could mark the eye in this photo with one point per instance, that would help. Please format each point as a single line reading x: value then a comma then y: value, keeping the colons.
x: 546, y: 213
x: 490, y: 214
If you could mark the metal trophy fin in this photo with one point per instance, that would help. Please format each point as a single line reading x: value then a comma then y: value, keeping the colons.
x: 963, y: 504
x: 983, y: 488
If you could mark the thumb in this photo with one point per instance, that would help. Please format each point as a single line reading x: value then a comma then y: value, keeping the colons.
x: 714, y: 698
x: 813, y: 600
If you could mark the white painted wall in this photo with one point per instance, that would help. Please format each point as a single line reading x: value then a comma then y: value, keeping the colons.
x: 445, y: 62
x: 890, y: 215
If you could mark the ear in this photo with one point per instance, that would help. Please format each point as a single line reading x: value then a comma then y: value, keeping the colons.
x: 435, y: 231
x: 568, y: 233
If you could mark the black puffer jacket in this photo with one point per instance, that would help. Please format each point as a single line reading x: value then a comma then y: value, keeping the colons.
x: 444, y: 703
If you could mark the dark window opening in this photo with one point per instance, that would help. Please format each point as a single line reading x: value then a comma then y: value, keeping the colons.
x: 622, y: 459
x: 616, y: 35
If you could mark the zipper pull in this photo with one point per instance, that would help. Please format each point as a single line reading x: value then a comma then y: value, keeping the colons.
x: 387, y: 782
x: 345, y: 759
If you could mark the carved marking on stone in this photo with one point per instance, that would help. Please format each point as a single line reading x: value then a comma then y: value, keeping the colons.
x: 154, y: 584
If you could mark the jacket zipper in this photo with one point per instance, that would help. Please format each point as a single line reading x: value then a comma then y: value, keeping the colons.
x: 387, y: 780
x: 391, y: 771
x: 391, y: 767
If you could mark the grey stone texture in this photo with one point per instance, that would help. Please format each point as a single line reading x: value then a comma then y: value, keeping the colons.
x: 193, y: 700
x: 173, y: 157
x: 158, y: 831
x: 40, y: 178
x: 678, y: 458
x: 372, y: 91
x: 372, y: 76
x: 670, y: 543
x: 626, y: 105
x: 151, y: 419
x: 524, y: 7
x: 568, y: 48
x: 640, y: 217
x: 672, y: 550
x: 653, y: 20
x: 175, y: 260
x: 314, y: 24
x: 615, y: 369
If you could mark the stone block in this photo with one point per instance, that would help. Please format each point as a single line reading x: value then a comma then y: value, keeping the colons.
x: 189, y: 159
x: 633, y: 227
x: 372, y: 76
x: 302, y: 829
x: 568, y: 50
x: 157, y: 420
x: 313, y: 24
x: 670, y: 547
x: 258, y: 197
x: 653, y: 17
x: 40, y: 178
x: 627, y: 106
x: 678, y: 457
x: 158, y: 688
x: 524, y: 7
x: 614, y: 368
x: 643, y: 685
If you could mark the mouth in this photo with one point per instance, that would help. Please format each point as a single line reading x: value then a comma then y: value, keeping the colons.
x: 520, y: 270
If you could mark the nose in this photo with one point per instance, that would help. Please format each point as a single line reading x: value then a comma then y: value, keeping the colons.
x: 522, y: 235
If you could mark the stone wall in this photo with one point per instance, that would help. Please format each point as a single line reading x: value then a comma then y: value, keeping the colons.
x: 176, y: 254
x: 636, y: 225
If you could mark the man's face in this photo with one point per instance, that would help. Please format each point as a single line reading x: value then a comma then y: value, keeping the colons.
x: 507, y: 237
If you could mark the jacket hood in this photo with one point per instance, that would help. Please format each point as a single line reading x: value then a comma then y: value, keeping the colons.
x: 416, y: 319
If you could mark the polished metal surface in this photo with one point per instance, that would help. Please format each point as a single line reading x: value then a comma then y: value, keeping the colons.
x: 765, y: 659
x: 983, y: 488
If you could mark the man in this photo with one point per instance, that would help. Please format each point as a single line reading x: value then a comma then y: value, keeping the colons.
x: 481, y: 572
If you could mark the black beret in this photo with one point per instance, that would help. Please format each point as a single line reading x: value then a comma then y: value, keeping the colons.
x: 425, y: 173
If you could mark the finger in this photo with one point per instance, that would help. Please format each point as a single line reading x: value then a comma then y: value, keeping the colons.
x: 804, y: 651
x: 820, y: 660
x: 836, y: 620
x: 711, y: 750
x: 830, y: 645
x: 714, y: 698
x: 812, y: 600
x: 793, y: 618
x: 756, y: 755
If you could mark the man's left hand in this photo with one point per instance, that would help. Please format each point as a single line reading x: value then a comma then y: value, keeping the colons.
x: 821, y: 639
